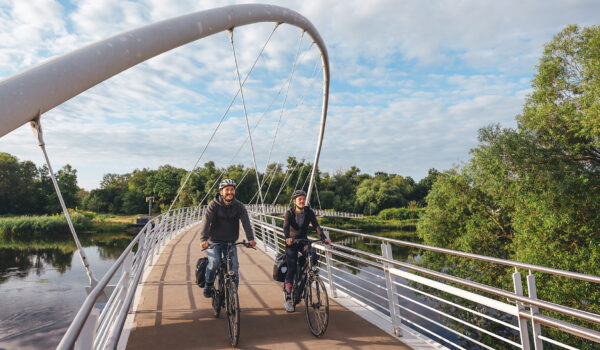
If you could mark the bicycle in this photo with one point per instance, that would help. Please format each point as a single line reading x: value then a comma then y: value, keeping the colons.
x: 225, y: 293
x: 308, y: 285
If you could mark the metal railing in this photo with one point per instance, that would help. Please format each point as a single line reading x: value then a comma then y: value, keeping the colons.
x: 405, y: 294
x: 99, y: 322
x: 407, y: 297
x: 280, y: 209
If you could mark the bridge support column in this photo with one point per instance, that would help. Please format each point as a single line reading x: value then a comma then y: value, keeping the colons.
x: 536, y: 328
x: 520, y: 307
x: 386, y: 252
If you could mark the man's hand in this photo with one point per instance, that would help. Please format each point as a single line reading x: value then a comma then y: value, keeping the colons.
x: 252, y: 244
x: 328, y: 241
x: 204, y: 245
x: 288, y: 241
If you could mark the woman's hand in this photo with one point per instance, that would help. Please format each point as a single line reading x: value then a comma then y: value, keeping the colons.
x: 328, y: 241
x: 204, y: 245
x: 288, y: 241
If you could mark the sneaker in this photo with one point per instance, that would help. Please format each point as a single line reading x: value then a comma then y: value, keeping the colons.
x: 209, y: 290
x: 289, y: 307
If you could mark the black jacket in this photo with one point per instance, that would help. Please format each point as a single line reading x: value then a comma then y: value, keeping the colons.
x: 222, y: 222
x: 291, y: 229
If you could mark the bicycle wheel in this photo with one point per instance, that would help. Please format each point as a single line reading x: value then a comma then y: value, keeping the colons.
x: 233, y: 313
x: 317, y: 306
x: 217, y: 300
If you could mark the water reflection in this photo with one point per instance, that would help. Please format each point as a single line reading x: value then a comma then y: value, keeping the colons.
x: 42, y: 286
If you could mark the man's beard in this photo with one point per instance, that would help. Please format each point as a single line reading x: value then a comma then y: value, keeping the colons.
x: 228, y: 198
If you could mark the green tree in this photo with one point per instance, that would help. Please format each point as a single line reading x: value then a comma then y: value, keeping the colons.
x: 531, y: 194
x: 66, y: 178
x: 19, y: 187
x: 164, y: 184
x: 563, y: 112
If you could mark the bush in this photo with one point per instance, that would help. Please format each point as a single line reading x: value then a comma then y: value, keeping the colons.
x: 400, y: 213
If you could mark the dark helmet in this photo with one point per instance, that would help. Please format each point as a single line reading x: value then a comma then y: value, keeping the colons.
x: 298, y: 193
x: 225, y: 183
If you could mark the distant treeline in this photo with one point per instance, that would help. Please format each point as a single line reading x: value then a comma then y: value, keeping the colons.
x: 26, y: 189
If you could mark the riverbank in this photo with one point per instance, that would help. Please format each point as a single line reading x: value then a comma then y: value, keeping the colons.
x: 52, y: 227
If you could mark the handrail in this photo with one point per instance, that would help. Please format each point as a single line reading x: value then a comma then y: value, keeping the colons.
x: 386, y: 263
x: 516, y: 264
x: 69, y: 338
x: 156, y: 231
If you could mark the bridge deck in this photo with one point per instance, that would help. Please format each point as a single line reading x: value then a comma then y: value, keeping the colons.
x: 172, y: 312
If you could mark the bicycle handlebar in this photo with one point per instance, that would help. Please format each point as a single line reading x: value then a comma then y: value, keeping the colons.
x: 310, y: 241
x: 244, y: 243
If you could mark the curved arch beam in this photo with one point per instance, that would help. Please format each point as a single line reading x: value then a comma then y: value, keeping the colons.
x: 29, y: 94
x: 26, y: 95
x: 47, y: 85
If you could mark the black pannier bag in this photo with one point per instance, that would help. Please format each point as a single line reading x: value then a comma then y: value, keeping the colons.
x: 201, y: 271
x: 280, y: 268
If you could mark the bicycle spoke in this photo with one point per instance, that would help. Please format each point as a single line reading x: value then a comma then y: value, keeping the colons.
x: 233, y: 313
x: 317, y: 306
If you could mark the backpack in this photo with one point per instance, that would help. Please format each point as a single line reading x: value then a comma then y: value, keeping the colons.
x: 201, y: 272
x: 280, y: 268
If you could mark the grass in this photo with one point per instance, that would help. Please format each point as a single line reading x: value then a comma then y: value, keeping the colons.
x: 55, y: 226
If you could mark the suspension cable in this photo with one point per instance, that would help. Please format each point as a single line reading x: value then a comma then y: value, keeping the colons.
x: 318, y: 199
x: 300, y: 102
x: 285, y: 181
x: 223, y: 117
x: 283, y: 107
x: 36, y: 126
x: 237, y: 69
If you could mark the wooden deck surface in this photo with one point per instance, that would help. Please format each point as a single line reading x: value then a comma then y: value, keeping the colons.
x: 173, y: 314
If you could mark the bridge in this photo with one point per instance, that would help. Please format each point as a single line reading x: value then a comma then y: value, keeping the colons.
x: 378, y: 299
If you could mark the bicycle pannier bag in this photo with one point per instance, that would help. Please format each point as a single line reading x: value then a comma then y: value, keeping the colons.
x: 201, y: 271
x: 280, y: 268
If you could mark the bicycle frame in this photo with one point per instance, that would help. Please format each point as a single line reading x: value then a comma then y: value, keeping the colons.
x: 225, y: 292
x: 303, y: 272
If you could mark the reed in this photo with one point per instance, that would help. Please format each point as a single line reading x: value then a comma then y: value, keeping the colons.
x: 43, y: 226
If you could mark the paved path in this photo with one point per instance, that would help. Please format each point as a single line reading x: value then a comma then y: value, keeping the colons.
x: 173, y: 313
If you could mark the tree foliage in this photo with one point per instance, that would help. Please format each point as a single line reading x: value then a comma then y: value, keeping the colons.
x: 531, y: 194
x: 25, y: 189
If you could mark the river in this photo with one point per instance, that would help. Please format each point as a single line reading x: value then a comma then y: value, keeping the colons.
x: 42, y: 285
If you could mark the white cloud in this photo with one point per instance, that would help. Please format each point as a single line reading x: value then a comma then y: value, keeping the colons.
x: 412, y: 81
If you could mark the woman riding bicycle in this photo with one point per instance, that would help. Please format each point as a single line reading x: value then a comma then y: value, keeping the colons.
x: 295, y: 225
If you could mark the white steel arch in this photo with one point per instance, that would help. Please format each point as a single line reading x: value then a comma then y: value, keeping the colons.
x: 26, y: 95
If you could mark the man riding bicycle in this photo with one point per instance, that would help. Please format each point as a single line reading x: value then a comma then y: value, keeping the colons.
x: 220, y: 226
x: 295, y: 225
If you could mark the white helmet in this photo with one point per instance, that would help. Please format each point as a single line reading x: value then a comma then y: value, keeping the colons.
x: 225, y: 183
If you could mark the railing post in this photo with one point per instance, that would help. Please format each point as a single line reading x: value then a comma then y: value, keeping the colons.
x: 520, y: 307
x: 386, y: 252
x: 275, y: 244
x: 536, y: 328
x: 329, y: 269
x: 262, y: 218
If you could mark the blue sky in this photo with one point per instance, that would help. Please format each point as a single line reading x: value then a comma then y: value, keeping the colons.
x: 411, y: 83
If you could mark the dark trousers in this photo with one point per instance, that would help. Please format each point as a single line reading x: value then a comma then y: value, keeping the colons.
x: 291, y: 256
